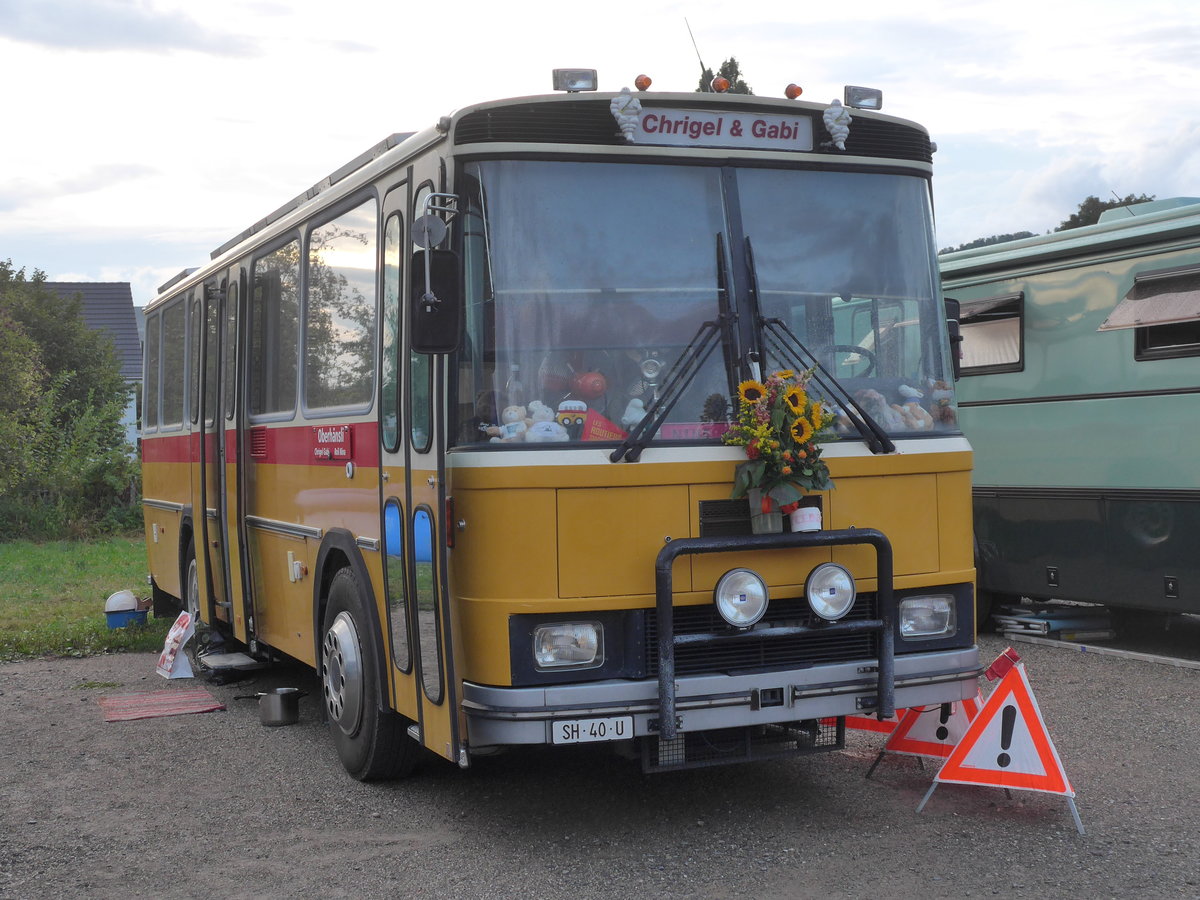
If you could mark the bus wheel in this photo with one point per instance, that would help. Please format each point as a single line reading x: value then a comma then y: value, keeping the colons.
x: 191, y: 586
x: 372, y: 743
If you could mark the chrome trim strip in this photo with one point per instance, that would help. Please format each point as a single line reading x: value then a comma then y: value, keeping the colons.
x: 703, y: 692
x: 212, y: 513
x: 366, y: 543
x: 288, y: 528
x: 162, y: 504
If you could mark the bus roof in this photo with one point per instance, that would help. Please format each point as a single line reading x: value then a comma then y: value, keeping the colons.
x: 1129, y: 226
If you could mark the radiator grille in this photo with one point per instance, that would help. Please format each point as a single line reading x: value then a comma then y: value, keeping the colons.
x: 764, y: 652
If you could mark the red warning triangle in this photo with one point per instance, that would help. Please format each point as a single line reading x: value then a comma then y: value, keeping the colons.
x: 933, y: 730
x: 870, y: 723
x: 1007, y: 744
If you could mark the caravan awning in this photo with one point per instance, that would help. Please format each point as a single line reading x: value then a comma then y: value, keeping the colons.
x: 1158, y: 298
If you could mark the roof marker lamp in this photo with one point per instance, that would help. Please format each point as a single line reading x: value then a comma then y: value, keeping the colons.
x: 741, y: 597
x: 643, y: 82
x: 830, y: 591
x: 863, y: 97
x: 793, y: 91
x: 575, y: 80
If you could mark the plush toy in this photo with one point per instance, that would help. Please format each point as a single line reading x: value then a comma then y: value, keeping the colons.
x: 539, y: 412
x: 512, y: 425
x: 571, y: 415
x: 546, y: 431
x: 876, y: 406
x: 916, y: 417
x: 635, y: 411
x: 941, y: 397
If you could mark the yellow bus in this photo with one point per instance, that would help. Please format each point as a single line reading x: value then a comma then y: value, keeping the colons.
x: 448, y: 428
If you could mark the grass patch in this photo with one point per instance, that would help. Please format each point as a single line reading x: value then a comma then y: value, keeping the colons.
x: 52, y: 597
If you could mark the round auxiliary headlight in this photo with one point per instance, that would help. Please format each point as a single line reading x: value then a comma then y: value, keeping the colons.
x: 830, y: 591
x: 741, y: 597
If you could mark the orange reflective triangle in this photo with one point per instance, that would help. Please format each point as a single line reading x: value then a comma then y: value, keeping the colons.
x: 933, y: 730
x: 1007, y: 745
x: 870, y: 723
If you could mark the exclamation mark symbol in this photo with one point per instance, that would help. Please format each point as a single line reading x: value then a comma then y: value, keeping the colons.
x: 943, y: 732
x: 1008, y: 719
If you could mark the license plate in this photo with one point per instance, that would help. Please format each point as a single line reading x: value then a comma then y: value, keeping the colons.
x: 583, y: 731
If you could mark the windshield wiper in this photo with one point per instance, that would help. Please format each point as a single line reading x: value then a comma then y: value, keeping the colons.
x: 678, y: 377
x: 684, y: 370
x: 872, y: 433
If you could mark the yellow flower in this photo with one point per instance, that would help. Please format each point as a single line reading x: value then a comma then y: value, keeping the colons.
x: 818, y: 415
x: 751, y: 391
x: 796, y: 399
x: 802, y: 430
x: 785, y: 375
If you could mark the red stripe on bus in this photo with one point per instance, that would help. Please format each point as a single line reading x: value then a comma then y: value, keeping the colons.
x: 291, y: 445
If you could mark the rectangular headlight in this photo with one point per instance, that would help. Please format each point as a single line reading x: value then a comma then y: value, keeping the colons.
x: 922, y: 618
x: 568, y: 645
x: 863, y: 97
x: 575, y: 80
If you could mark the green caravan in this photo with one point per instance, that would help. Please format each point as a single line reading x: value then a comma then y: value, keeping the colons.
x: 1081, y: 366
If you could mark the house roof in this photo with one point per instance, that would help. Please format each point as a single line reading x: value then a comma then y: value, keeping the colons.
x: 108, y: 305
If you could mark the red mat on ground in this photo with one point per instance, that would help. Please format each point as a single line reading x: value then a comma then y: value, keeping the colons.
x: 152, y: 704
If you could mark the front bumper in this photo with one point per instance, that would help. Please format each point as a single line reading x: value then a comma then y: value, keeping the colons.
x: 498, y: 716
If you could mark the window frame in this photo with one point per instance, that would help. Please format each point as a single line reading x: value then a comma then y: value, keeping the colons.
x: 331, y: 215
x: 997, y: 302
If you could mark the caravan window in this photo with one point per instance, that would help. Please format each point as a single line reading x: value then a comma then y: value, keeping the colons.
x: 993, y: 334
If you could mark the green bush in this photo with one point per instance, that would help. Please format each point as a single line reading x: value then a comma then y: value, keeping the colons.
x: 68, y: 471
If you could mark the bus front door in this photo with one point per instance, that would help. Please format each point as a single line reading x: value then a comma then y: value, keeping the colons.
x: 412, y: 448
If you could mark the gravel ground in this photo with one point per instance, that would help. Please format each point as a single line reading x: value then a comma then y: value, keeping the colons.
x: 215, y: 805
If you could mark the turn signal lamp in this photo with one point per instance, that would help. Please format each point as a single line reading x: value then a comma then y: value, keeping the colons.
x: 575, y: 80
x: 830, y: 591
x: 793, y: 91
x: 863, y: 97
x: 720, y: 84
x: 642, y: 82
x: 741, y: 597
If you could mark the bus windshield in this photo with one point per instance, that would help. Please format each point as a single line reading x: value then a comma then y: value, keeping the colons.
x: 587, y: 281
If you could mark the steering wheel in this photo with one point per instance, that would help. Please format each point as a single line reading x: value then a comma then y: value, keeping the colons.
x: 872, y: 360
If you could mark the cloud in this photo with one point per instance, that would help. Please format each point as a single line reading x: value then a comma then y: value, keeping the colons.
x: 22, y: 193
x: 105, y: 25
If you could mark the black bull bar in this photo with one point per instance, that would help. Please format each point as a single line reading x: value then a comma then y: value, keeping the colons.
x: 668, y: 640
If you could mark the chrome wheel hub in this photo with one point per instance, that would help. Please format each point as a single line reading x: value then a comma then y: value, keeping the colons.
x: 342, y: 673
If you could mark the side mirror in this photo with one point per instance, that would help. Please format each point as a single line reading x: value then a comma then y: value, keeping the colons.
x: 953, y: 311
x: 436, y: 309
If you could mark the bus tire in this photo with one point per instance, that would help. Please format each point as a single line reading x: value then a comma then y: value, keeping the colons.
x: 372, y: 742
x: 191, y: 585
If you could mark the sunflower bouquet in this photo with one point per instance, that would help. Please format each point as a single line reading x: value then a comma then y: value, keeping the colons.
x: 779, y: 423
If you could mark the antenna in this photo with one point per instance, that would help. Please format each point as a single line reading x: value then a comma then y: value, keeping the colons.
x: 703, y: 67
x: 1120, y: 199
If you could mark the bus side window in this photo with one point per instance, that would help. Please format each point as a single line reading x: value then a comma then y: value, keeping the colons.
x: 427, y: 606
x: 274, y: 331
x: 397, y: 593
x: 150, y: 394
x: 993, y: 334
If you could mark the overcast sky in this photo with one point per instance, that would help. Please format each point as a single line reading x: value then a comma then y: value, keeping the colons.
x: 139, y: 135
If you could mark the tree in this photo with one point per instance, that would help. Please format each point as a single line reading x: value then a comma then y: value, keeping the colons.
x: 728, y: 69
x: 987, y: 241
x: 67, y: 470
x: 1090, y: 209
